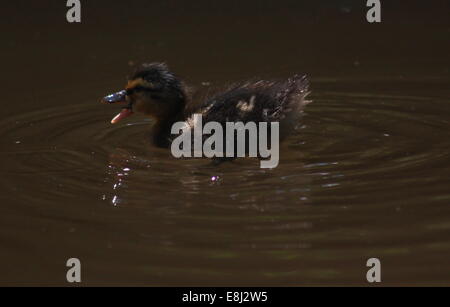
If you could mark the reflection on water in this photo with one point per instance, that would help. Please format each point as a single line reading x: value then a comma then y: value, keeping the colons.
x: 365, y: 175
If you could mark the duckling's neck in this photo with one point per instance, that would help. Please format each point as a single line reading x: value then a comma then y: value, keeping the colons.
x: 163, y: 126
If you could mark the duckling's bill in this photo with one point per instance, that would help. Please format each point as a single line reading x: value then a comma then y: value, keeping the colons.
x: 124, y: 113
x: 120, y: 98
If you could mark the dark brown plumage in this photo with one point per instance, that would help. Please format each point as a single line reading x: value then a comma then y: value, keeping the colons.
x: 155, y: 91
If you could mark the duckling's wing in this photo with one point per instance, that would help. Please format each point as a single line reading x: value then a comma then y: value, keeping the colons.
x: 259, y: 101
x: 256, y: 101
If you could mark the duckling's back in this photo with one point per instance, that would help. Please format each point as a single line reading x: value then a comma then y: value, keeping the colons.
x: 260, y: 101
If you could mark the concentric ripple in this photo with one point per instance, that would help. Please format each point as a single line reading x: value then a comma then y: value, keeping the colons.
x: 347, y: 139
x: 357, y: 159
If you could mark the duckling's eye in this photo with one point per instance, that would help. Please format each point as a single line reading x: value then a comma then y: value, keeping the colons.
x: 140, y: 88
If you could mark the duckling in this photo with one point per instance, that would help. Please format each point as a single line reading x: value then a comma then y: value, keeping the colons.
x: 155, y: 91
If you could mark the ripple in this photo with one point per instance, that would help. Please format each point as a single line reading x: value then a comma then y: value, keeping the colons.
x: 346, y: 139
x: 357, y: 159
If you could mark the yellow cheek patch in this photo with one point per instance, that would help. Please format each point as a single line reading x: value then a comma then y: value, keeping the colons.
x: 138, y: 82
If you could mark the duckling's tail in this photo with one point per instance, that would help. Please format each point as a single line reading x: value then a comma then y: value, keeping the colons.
x: 292, y: 100
x: 299, y: 85
x: 291, y: 96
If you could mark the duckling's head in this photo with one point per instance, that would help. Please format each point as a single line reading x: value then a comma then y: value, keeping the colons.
x: 152, y: 90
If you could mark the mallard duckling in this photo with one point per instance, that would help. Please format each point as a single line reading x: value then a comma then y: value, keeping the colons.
x: 155, y: 91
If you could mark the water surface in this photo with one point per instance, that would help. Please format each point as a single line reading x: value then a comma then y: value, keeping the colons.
x: 365, y: 175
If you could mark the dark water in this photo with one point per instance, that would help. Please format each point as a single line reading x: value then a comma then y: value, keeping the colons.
x: 366, y: 174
